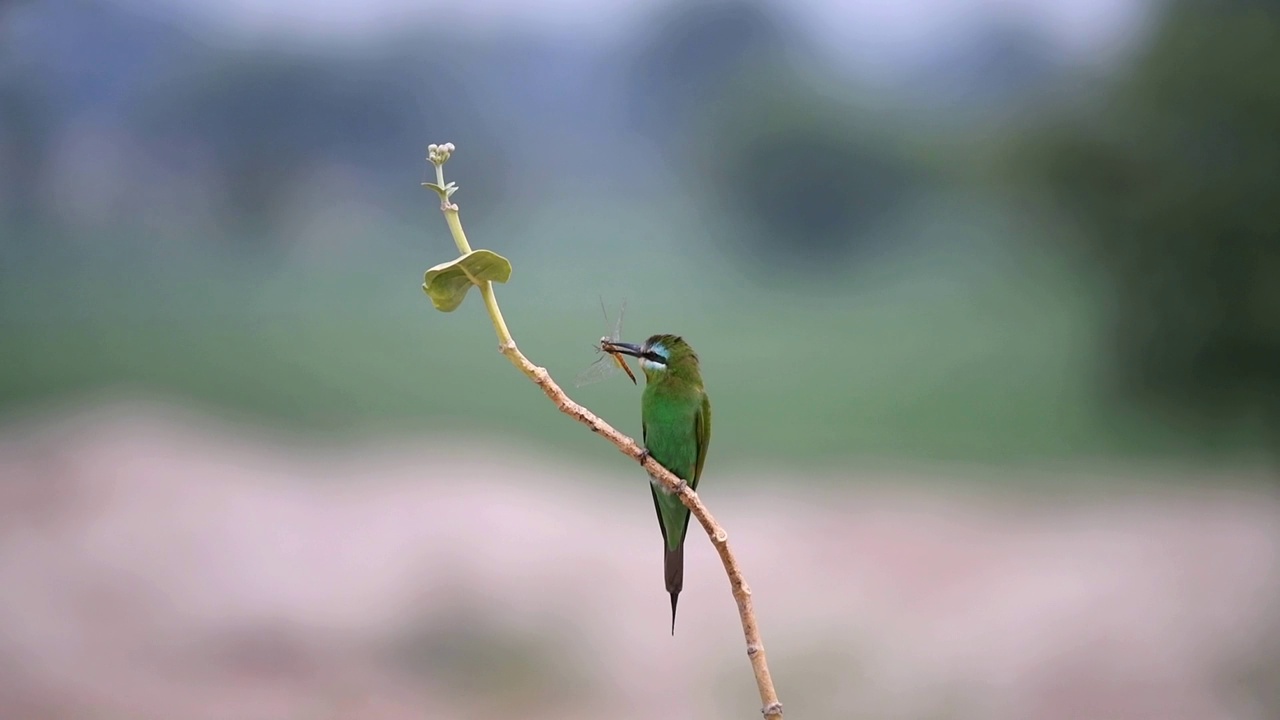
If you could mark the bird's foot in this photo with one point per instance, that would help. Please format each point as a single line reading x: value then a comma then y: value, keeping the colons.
x: 644, y: 455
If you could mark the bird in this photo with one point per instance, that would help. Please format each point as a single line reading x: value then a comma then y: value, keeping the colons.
x: 675, y: 417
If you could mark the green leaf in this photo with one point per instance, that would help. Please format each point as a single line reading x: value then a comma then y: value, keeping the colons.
x: 443, y: 192
x: 447, y: 283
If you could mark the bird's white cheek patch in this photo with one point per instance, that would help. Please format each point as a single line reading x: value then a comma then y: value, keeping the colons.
x: 650, y: 365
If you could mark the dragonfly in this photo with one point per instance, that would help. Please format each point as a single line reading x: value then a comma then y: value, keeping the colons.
x: 609, y: 362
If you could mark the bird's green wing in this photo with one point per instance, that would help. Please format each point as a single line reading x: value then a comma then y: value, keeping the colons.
x: 653, y: 490
x: 702, y: 436
x: 702, y: 431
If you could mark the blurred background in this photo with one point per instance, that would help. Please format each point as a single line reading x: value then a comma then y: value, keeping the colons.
x: 987, y: 295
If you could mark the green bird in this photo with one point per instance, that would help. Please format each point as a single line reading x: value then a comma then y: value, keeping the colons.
x: 675, y: 416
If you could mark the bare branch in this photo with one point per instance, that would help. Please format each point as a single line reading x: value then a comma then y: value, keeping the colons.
x: 771, y: 708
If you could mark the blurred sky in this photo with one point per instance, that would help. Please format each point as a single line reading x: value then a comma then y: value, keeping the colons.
x: 872, y: 35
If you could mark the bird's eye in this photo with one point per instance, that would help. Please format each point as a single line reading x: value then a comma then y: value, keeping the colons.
x: 654, y: 358
x: 656, y: 353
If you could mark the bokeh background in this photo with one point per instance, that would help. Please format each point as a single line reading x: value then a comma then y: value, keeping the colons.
x: 987, y: 296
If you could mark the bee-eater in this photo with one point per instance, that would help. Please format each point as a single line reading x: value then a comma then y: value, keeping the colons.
x: 675, y: 417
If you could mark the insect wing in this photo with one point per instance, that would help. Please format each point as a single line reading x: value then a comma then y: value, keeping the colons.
x: 617, y: 327
x: 607, y: 364
x: 622, y: 363
x: 603, y: 367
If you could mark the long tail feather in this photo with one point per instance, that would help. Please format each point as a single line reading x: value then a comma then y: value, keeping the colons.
x: 673, y: 567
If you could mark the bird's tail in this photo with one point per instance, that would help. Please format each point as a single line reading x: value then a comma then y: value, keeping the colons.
x: 673, y: 567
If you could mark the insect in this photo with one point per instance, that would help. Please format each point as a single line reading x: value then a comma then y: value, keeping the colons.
x: 609, y: 362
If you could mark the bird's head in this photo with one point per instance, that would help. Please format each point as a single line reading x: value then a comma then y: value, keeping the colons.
x: 662, y: 357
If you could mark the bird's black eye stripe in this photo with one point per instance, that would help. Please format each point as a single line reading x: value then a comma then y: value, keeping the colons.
x: 652, y: 356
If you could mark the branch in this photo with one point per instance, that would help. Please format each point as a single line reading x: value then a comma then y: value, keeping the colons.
x: 771, y: 707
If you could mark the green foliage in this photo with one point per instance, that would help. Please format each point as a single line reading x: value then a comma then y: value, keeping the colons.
x: 939, y: 358
x: 812, y: 182
x: 1173, y: 180
x: 691, y: 51
x: 270, y: 119
x: 447, y: 283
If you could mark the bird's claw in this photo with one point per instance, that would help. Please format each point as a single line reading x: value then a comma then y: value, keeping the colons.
x: 644, y: 455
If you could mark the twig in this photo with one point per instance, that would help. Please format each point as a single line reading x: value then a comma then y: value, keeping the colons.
x: 771, y: 708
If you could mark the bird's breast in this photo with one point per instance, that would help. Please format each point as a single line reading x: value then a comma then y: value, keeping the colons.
x: 671, y: 435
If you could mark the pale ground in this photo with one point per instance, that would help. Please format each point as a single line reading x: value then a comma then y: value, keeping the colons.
x: 155, y: 565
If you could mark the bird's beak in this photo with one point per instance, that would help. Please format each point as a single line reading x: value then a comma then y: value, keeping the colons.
x: 623, y: 348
